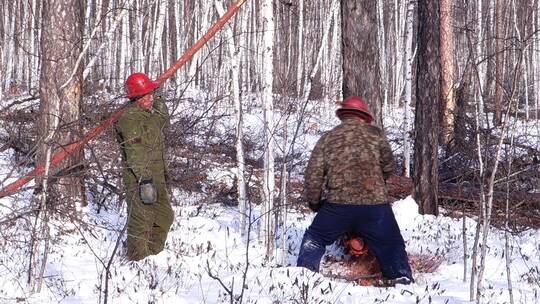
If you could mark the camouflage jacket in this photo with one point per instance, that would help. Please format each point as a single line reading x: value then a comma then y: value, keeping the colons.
x: 140, y: 134
x: 349, y: 165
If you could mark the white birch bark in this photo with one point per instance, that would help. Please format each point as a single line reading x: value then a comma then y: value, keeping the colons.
x: 474, y: 269
x: 381, y: 37
x: 481, y: 64
x: 324, y: 44
x: 108, y: 38
x: 3, y: 50
x: 300, y: 65
x: 140, y: 41
x: 336, y: 62
x: 400, y: 28
x: 536, y: 69
x: 507, y: 247
x: 283, y: 209
x: 268, y: 219
x: 526, y: 82
x: 9, y: 54
x: 409, y: 56
x: 126, y: 50
x: 236, y: 53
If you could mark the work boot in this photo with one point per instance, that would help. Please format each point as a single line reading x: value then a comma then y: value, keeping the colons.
x: 392, y: 282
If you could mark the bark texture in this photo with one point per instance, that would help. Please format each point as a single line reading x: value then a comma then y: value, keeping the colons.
x: 61, y: 44
x: 361, y: 72
x: 427, y: 108
x: 448, y: 103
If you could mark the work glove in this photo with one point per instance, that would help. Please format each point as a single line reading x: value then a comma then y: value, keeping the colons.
x: 147, y: 191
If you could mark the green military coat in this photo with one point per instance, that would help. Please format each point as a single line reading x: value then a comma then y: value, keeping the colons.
x: 140, y: 134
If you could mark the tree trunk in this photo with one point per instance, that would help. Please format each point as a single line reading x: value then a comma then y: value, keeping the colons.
x: 235, y: 53
x: 361, y: 72
x: 448, y: 104
x: 427, y: 111
x: 499, y: 58
x: 268, y: 220
x: 61, y: 44
x: 408, y: 88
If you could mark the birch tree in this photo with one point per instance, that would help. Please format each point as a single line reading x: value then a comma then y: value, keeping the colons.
x: 235, y: 54
x: 268, y: 230
x: 408, y: 87
x: 481, y: 65
x: 448, y: 104
x: 300, y: 48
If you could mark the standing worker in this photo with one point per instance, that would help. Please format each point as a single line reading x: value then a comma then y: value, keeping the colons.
x: 345, y: 183
x: 140, y: 133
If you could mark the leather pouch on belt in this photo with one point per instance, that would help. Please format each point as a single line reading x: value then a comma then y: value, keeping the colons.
x: 147, y: 192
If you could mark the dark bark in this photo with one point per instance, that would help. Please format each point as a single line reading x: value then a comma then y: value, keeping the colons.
x: 61, y: 44
x: 361, y: 75
x: 427, y: 108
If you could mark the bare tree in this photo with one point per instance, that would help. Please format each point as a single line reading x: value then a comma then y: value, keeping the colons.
x: 409, y: 56
x: 268, y: 225
x: 61, y: 44
x: 235, y: 52
x: 448, y: 104
x: 360, y: 48
x: 426, y: 121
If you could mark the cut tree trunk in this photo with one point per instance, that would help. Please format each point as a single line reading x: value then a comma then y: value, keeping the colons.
x: 399, y: 186
x: 460, y: 201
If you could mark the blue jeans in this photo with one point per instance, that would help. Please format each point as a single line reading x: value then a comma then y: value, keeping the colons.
x: 376, y: 224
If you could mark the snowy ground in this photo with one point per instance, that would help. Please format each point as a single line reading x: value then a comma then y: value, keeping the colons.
x: 206, y: 241
x: 205, y: 260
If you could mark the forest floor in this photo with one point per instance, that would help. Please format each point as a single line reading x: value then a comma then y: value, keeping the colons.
x: 207, y: 260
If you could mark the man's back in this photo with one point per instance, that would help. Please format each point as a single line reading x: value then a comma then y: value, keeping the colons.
x: 351, y: 162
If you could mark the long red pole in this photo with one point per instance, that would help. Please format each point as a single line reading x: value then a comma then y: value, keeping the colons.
x: 69, y: 149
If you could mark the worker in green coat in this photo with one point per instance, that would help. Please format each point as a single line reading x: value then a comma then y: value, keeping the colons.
x: 140, y: 133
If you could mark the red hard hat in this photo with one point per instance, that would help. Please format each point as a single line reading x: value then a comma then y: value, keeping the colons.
x: 139, y: 84
x: 354, y: 104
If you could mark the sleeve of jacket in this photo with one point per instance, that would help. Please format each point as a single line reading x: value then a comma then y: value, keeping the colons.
x: 162, y: 110
x: 314, y: 176
x: 130, y: 137
x: 386, y: 157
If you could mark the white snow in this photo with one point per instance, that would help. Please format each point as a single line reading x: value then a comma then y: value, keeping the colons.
x: 205, y: 241
x: 180, y: 275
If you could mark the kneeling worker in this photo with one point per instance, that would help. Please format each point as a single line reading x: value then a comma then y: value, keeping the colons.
x: 350, y: 165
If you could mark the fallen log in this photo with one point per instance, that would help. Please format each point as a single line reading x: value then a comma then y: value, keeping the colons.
x: 399, y: 187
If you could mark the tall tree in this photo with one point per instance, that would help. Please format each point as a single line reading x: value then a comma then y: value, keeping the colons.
x: 499, y: 60
x: 268, y: 230
x: 448, y: 103
x: 408, y: 87
x: 235, y: 53
x: 361, y: 72
x: 426, y: 121
x: 60, y: 91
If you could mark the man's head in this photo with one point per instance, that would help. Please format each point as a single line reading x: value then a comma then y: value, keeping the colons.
x: 139, y: 87
x: 354, y: 107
